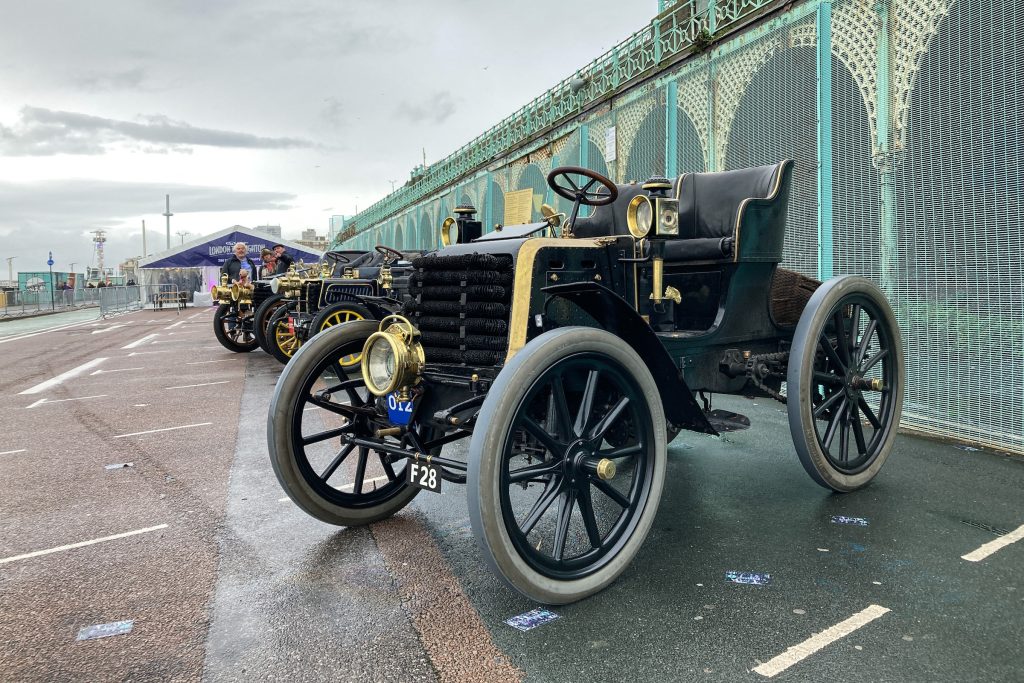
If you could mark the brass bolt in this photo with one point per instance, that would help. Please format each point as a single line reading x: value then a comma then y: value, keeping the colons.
x: 454, y: 420
x: 746, y: 355
x: 554, y: 277
x: 474, y: 377
x: 390, y: 431
x: 606, y: 469
x: 876, y: 385
x: 597, y: 277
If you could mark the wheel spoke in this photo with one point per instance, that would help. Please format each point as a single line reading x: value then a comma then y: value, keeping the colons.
x: 385, y: 464
x: 874, y: 360
x: 586, y: 403
x: 865, y: 340
x: 534, y: 471
x: 609, y: 419
x: 566, y: 502
x: 547, y: 497
x: 833, y: 424
x: 622, y: 452
x: 844, y: 439
x: 338, y: 408
x: 858, y: 431
x: 869, y: 413
x: 830, y: 351
x: 561, y: 409
x: 828, y: 379
x: 827, y: 403
x: 543, y: 436
x: 364, y: 453
x: 854, y: 327
x: 338, y: 459
x: 589, y: 518
x: 323, y: 436
x: 844, y: 348
x: 610, y: 491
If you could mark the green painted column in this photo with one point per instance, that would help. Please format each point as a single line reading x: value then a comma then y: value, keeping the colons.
x: 584, y: 157
x: 824, y: 66
x: 884, y: 158
x: 489, y: 219
x: 671, y: 169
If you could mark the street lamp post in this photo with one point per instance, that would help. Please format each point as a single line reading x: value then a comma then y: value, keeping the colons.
x: 10, y: 268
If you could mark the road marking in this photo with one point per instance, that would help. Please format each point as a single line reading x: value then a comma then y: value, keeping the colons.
x: 171, y: 327
x: 62, y: 400
x: 64, y: 376
x: 143, y: 353
x: 799, y: 652
x: 140, y: 342
x: 106, y: 329
x: 20, y: 450
x: 992, y: 546
x: 196, y: 315
x: 165, y: 429
x: 219, y: 360
x: 204, y: 384
x: 107, y: 372
x: 82, y: 544
x: 56, y: 328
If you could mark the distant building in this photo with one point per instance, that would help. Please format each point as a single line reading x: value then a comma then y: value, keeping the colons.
x: 309, y: 234
x: 272, y: 230
x: 320, y: 243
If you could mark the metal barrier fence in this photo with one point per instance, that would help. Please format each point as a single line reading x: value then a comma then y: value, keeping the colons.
x: 135, y: 297
x: 20, y: 302
x: 902, y: 118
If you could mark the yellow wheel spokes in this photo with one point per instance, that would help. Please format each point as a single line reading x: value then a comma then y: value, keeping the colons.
x: 287, y: 342
x: 337, y: 318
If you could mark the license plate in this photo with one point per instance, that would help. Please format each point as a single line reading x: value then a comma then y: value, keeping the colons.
x: 291, y: 325
x: 423, y: 475
x: 399, y: 412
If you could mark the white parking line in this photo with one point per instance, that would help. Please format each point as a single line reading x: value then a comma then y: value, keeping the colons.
x: 219, y: 360
x: 82, y: 544
x: 106, y: 329
x: 143, y: 353
x: 196, y: 315
x: 20, y: 450
x: 992, y: 546
x: 204, y: 384
x: 140, y: 342
x: 62, y: 400
x: 165, y: 429
x: 107, y: 372
x: 64, y: 376
x: 56, y: 328
x: 802, y: 651
x: 171, y: 327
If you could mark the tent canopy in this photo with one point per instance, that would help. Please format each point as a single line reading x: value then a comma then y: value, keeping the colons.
x: 213, y: 250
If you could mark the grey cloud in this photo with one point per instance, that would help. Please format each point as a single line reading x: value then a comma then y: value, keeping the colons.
x: 57, y: 215
x: 43, y: 132
x: 129, y: 79
x: 436, y: 109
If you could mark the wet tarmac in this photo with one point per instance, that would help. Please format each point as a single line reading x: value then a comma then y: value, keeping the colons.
x: 224, y: 581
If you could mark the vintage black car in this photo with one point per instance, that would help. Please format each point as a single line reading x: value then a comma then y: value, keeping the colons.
x: 570, y: 363
x: 348, y: 285
x: 235, y: 321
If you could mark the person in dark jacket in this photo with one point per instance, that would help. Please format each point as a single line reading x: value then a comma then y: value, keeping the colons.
x: 240, y: 261
x: 284, y: 261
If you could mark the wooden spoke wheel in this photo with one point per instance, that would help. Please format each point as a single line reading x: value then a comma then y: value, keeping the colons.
x: 845, y: 383
x: 337, y: 314
x: 234, y: 331
x: 567, y: 463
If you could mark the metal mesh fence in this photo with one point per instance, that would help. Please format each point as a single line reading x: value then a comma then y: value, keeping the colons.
x: 902, y: 125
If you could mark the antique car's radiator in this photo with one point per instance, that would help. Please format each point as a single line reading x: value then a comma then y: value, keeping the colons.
x: 461, y: 305
x: 260, y: 293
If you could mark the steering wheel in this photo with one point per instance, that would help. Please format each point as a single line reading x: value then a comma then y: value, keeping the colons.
x: 584, y: 195
x: 336, y: 256
x: 388, y: 253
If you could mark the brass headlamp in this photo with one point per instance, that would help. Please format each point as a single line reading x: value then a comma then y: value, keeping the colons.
x: 241, y: 294
x: 393, y: 358
x: 221, y: 293
x: 289, y: 284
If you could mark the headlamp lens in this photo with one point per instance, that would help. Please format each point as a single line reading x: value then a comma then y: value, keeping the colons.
x: 380, y: 363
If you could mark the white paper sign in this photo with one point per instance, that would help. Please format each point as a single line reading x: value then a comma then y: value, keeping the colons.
x: 609, y: 144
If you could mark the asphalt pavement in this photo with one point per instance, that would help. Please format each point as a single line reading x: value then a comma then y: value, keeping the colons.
x: 224, y: 581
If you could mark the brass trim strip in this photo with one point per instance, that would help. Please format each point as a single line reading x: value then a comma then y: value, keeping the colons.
x: 772, y: 193
x: 519, y: 320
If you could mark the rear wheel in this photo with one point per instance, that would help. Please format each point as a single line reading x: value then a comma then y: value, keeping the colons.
x: 234, y: 332
x: 567, y: 464
x: 845, y: 383
x: 317, y: 402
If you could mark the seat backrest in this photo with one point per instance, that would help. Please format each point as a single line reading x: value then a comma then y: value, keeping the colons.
x: 709, y: 202
x: 609, y: 219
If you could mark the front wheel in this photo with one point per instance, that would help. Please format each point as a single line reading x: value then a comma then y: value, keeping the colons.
x: 316, y: 403
x: 567, y: 464
x: 233, y: 330
x: 845, y: 383
x: 282, y: 338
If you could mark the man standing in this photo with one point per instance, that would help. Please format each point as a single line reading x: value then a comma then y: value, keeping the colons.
x: 284, y: 261
x: 240, y: 261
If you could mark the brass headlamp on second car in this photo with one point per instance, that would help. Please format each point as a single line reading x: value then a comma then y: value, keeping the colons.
x: 393, y: 358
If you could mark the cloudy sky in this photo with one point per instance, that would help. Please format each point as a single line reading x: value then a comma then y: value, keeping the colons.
x: 254, y: 111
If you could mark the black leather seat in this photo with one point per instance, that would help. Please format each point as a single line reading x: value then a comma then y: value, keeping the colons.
x: 609, y: 219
